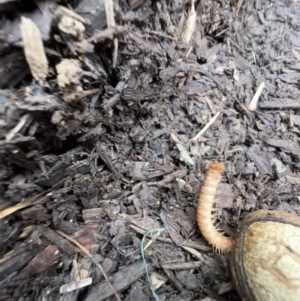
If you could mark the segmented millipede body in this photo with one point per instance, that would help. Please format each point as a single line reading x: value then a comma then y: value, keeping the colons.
x: 206, y: 199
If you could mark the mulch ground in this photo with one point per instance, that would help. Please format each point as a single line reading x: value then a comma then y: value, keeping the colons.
x: 116, y: 140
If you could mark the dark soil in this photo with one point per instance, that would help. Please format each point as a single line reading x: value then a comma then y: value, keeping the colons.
x: 111, y: 156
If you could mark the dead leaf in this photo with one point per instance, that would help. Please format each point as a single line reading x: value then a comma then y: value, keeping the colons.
x: 34, y: 50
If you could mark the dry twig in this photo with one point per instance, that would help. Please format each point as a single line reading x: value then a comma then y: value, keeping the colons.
x: 206, y: 127
x: 253, y: 103
x: 88, y: 254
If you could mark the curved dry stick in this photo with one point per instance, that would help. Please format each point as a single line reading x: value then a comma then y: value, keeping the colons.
x: 88, y: 254
x: 204, y: 217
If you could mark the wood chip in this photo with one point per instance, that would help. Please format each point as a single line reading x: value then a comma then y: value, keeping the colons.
x: 295, y: 120
x: 109, y: 9
x: 183, y: 152
x: 69, y: 287
x: 121, y: 280
x: 64, y: 11
x: 293, y: 180
x: 158, y: 280
x: 194, y: 252
x: 290, y: 146
x: 280, y: 104
x: 182, y: 266
x: 93, y: 215
x: 26, y: 231
x: 34, y: 50
x: 42, y: 261
x: 262, y: 164
x: 63, y: 244
x: 174, y: 233
x: 225, y: 288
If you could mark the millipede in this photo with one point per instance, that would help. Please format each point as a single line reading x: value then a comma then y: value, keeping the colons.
x: 206, y: 199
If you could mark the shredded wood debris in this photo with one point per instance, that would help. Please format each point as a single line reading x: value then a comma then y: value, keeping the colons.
x: 110, y: 136
x: 109, y: 9
x: 69, y: 287
x: 194, y: 252
x: 182, y: 149
x: 143, y: 248
x: 88, y: 254
x: 157, y: 280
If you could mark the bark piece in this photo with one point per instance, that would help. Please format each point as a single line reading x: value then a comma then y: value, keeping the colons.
x: 262, y: 164
x: 120, y: 281
x: 290, y: 146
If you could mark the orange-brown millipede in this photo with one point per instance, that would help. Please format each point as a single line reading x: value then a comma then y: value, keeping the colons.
x: 204, y: 217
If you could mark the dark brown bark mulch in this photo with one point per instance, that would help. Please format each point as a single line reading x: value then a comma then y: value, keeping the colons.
x: 111, y: 156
